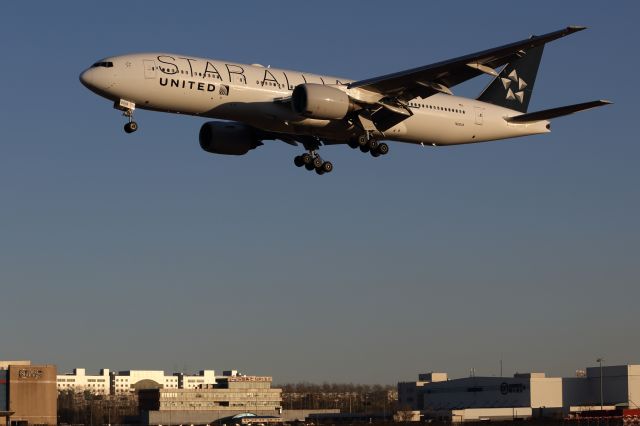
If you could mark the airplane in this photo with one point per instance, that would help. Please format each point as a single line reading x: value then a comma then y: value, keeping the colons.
x: 257, y: 103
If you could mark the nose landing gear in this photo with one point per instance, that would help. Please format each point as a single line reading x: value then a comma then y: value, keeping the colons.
x: 131, y: 126
x: 127, y: 109
x: 312, y: 161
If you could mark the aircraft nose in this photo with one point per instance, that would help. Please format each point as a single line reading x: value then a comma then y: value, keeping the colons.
x: 86, y: 78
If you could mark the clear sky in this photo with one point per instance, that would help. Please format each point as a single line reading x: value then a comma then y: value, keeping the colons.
x: 144, y: 252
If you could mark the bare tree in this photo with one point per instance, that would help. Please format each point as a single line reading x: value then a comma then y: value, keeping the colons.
x: 348, y: 398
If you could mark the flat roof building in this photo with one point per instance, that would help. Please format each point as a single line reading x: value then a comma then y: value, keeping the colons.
x: 135, y: 380
x: 471, y: 398
x: 79, y: 381
x: 28, y: 393
x: 231, y: 395
x: 204, y: 377
x: 123, y: 382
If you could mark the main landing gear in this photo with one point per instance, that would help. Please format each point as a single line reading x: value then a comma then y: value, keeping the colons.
x: 312, y: 161
x: 368, y: 144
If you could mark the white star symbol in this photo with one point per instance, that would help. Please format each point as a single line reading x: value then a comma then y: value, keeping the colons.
x: 513, y: 78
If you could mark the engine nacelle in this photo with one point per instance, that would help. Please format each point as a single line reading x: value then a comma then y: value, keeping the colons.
x: 321, y: 102
x: 229, y: 138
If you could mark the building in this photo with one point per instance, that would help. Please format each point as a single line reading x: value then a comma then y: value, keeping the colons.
x: 135, y: 380
x: 28, y: 393
x: 118, y: 383
x: 204, y: 377
x: 230, y: 396
x: 521, y: 396
x: 410, y: 395
x: 79, y: 381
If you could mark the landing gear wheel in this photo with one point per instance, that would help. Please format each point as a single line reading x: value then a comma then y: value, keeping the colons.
x: 373, y: 144
x: 353, y: 143
x: 383, y: 149
x: 364, y: 148
x: 362, y: 140
x: 312, y: 161
x: 317, y: 162
x: 375, y: 154
x: 131, y: 127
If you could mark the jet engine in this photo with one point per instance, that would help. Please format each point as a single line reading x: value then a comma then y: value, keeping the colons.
x: 321, y: 102
x: 229, y: 138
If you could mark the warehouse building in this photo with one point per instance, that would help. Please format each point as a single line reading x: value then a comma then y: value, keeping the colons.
x: 28, y: 393
x: 519, y: 397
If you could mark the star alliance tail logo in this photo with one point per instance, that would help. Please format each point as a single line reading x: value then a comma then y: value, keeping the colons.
x: 519, y: 85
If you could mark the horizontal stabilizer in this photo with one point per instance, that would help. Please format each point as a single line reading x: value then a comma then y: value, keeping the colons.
x: 555, y: 112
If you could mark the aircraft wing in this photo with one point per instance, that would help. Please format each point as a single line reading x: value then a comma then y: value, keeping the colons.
x: 439, y: 77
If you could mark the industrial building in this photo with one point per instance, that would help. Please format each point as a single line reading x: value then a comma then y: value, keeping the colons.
x: 231, y: 395
x: 28, y: 393
x: 522, y: 396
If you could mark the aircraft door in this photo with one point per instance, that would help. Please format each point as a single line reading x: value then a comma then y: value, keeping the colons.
x: 149, y: 68
x: 479, y: 115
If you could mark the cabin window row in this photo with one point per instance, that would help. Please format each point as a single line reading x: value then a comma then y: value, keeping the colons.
x: 437, y: 108
x: 210, y: 74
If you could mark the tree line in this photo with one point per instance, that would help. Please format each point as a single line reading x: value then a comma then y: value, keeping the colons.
x: 347, y: 397
x: 87, y: 408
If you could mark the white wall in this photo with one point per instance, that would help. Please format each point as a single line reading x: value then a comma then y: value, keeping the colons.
x: 79, y: 381
x: 122, y: 382
x: 204, y: 377
x: 546, y: 392
x: 634, y: 386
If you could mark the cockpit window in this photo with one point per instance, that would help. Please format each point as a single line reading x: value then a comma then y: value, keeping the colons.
x: 102, y: 64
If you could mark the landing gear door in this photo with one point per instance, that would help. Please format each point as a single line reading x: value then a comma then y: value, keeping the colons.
x: 479, y: 115
x: 149, y: 68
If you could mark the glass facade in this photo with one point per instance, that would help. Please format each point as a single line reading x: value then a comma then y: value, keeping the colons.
x: 4, y: 379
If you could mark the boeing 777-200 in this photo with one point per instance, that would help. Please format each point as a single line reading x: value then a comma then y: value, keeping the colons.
x: 258, y: 103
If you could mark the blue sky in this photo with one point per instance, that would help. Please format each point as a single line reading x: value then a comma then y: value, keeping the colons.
x: 142, y: 251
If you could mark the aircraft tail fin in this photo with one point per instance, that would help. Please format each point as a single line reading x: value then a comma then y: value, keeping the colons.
x: 548, y: 114
x: 513, y: 86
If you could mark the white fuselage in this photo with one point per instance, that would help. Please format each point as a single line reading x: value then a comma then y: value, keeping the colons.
x: 251, y: 93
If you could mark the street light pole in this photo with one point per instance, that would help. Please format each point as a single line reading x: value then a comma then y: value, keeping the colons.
x: 601, y: 397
